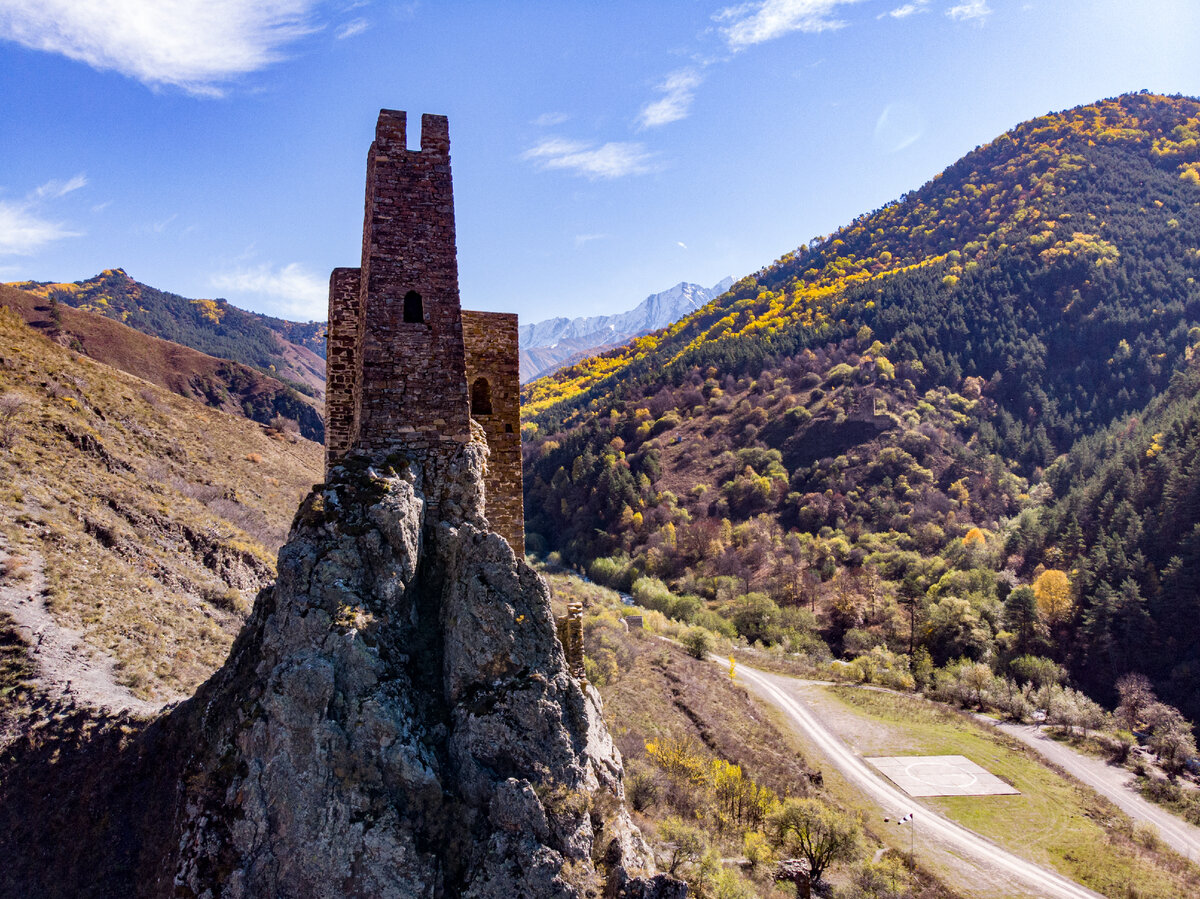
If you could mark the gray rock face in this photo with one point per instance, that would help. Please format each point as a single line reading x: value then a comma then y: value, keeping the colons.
x: 398, y: 720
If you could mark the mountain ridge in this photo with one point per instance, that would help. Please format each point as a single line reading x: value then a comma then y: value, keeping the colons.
x: 552, y: 343
x: 291, y: 351
x: 878, y: 409
x: 220, y: 383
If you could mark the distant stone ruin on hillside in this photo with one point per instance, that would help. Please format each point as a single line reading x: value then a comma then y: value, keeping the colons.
x: 408, y: 369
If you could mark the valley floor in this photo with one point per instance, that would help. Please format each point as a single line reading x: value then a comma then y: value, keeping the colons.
x: 997, y: 846
x: 1113, y: 783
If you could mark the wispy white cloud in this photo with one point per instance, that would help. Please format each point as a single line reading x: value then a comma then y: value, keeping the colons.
x: 581, y: 239
x: 351, y: 28
x: 291, y: 290
x: 193, y: 46
x: 765, y: 20
x: 680, y: 243
x: 23, y: 231
x: 54, y: 188
x: 678, y: 91
x: 550, y: 119
x: 908, y: 9
x: 24, y: 228
x: 971, y: 11
x: 898, y: 127
x: 610, y: 160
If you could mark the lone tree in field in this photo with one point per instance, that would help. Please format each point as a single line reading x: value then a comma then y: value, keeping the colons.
x: 814, y: 831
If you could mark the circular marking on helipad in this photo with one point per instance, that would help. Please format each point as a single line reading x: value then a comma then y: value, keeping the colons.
x: 941, y: 775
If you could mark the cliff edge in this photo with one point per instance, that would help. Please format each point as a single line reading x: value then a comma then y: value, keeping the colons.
x: 396, y: 719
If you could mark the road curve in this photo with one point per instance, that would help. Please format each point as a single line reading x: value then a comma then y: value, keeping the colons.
x: 1024, y: 875
x: 1112, y: 783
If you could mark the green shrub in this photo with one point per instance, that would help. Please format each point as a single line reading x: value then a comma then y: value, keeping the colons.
x: 698, y: 642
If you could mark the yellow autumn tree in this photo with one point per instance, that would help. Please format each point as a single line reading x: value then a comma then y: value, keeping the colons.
x: 1053, y: 592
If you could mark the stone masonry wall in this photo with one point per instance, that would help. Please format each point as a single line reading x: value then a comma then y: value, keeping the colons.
x: 410, y: 389
x: 491, y: 354
x: 402, y: 386
x: 340, y: 362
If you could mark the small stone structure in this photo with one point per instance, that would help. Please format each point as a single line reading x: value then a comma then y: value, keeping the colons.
x: 570, y: 635
x: 408, y: 369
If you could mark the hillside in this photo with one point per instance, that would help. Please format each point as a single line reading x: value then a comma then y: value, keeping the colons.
x: 833, y: 453
x: 549, y: 345
x: 293, y: 352
x: 1126, y: 523
x: 133, y: 522
x: 219, y: 383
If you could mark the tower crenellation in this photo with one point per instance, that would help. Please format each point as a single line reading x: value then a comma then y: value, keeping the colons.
x: 408, y: 370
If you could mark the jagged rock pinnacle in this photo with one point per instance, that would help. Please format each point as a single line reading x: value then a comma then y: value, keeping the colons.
x: 397, y: 719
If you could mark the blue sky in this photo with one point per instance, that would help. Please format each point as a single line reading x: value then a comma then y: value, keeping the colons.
x: 602, y: 150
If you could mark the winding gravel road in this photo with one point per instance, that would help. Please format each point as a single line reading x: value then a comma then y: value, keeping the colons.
x: 992, y: 866
x: 1113, y: 784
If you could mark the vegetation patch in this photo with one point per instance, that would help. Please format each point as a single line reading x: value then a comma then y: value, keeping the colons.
x: 1054, y: 821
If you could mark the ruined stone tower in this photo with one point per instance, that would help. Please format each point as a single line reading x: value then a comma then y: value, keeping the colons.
x: 408, y: 369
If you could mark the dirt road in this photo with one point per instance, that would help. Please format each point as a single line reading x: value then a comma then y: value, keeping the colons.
x: 1113, y: 784
x: 982, y: 865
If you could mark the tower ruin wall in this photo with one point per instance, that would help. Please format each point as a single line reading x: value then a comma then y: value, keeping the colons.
x: 492, y: 363
x: 402, y: 355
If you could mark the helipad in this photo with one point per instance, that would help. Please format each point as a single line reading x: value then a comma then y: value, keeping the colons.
x: 941, y: 775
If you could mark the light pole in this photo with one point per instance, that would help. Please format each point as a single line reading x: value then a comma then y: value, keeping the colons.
x: 912, y: 825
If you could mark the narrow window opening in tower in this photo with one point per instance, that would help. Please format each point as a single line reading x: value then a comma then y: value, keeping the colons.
x: 481, y: 397
x: 414, y: 310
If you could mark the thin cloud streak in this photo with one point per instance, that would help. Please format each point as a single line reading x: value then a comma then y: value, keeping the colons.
x: 550, y: 119
x: 972, y: 11
x: 23, y: 232
x: 192, y: 46
x: 350, y: 29
x: 23, y: 228
x: 908, y: 9
x: 54, y: 189
x: 678, y: 92
x: 293, y: 290
x: 754, y: 23
x: 611, y: 160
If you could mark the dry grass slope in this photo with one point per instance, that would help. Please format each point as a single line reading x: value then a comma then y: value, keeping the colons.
x: 190, y: 373
x: 150, y: 519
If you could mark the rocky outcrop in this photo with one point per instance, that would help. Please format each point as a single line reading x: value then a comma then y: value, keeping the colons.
x: 395, y: 720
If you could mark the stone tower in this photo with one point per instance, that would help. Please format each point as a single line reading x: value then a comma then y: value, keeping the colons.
x: 407, y: 368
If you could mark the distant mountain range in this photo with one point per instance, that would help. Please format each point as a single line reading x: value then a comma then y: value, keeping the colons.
x: 551, y: 344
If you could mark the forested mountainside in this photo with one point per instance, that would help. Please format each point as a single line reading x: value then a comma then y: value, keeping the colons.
x: 1126, y: 524
x: 867, y: 429
x: 293, y: 352
x: 220, y: 383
